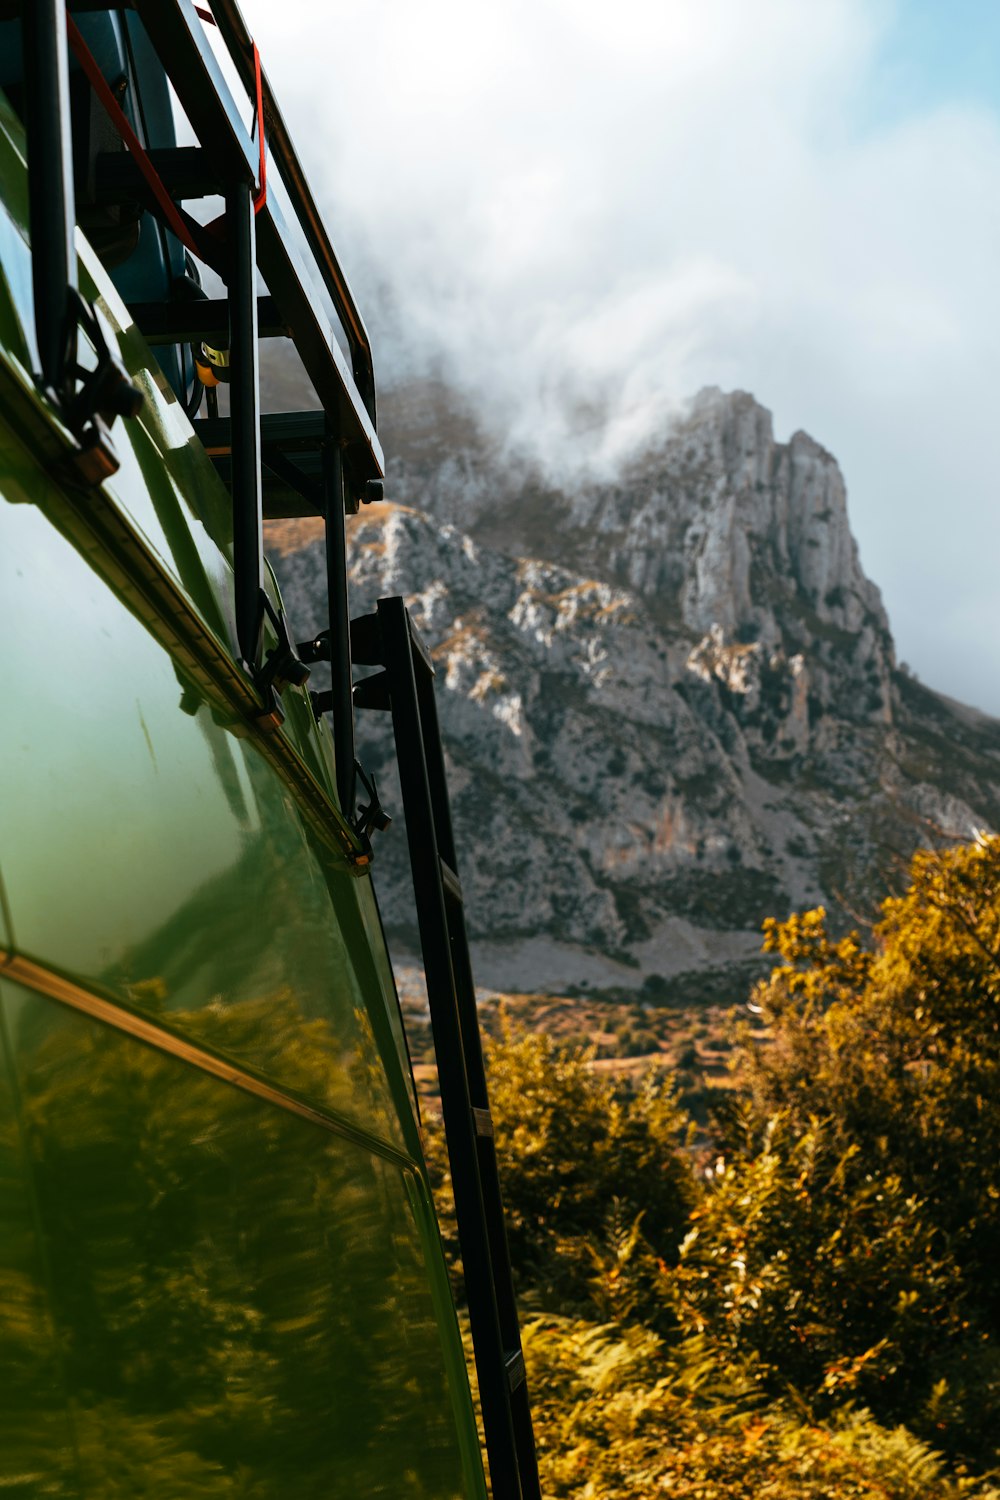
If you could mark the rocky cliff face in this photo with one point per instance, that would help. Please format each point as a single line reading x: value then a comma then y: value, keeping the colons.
x: 671, y: 702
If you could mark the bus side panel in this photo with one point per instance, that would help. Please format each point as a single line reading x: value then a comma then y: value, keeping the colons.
x: 150, y: 851
x: 155, y: 861
x: 238, y: 1296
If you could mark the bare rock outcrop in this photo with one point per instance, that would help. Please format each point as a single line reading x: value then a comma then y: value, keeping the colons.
x: 671, y: 703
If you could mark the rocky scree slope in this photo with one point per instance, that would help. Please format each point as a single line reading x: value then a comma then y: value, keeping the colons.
x: 671, y: 703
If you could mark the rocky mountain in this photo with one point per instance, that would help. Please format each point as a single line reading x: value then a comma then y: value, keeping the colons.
x: 671, y: 702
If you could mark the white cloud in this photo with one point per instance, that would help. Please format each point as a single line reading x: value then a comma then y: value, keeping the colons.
x: 592, y: 206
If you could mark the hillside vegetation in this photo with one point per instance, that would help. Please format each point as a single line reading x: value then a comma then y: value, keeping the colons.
x: 811, y: 1307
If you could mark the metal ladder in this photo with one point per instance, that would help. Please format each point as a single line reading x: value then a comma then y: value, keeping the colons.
x: 405, y: 685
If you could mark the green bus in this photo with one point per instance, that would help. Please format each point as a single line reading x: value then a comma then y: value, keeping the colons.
x: 220, y: 1268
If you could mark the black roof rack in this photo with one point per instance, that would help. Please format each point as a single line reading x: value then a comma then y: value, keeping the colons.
x: 296, y: 282
x: 291, y: 452
x: 313, y: 463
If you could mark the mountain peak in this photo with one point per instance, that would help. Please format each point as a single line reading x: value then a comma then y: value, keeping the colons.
x: 670, y: 701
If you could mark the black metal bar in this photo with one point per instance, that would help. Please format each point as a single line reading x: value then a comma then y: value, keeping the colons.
x: 298, y: 296
x: 342, y: 699
x: 295, y: 431
x: 524, y: 1432
x: 291, y: 455
x: 373, y: 692
x: 290, y: 475
x: 515, y: 1369
x: 460, y: 1129
x: 475, y: 1072
x: 283, y: 502
x: 185, y: 172
x: 420, y: 650
x: 178, y: 36
x: 51, y: 197
x: 291, y: 431
x: 366, y: 641
x: 189, y: 322
x: 450, y: 881
x: 244, y: 424
x: 436, y: 772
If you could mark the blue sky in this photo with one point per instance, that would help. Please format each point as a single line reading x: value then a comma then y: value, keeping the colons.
x: 934, y: 53
x: 580, y: 208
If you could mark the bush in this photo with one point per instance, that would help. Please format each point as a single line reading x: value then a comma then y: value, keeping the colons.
x: 861, y: 1188
x: 596, y: 1187
x: 621, y: 1415
x: 829, y: 1273
x: 771, y: 1327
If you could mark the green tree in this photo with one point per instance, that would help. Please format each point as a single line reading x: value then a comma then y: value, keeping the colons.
x: 853, y: 1233
x: 832, y: 1274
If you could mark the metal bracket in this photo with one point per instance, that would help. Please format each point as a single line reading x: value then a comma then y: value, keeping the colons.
x: 318, y: 649
x: 94, y: 398
x: 359, y: 490
x: 282, y: 667
x: 373, y: 692
x: 366, y: 641
x: 373, y: 818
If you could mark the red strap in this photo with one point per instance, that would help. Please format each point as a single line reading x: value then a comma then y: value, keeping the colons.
x: 260, y: 197
x: 218, y: 226
x: 132, y: 142
x: 136, y: 149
